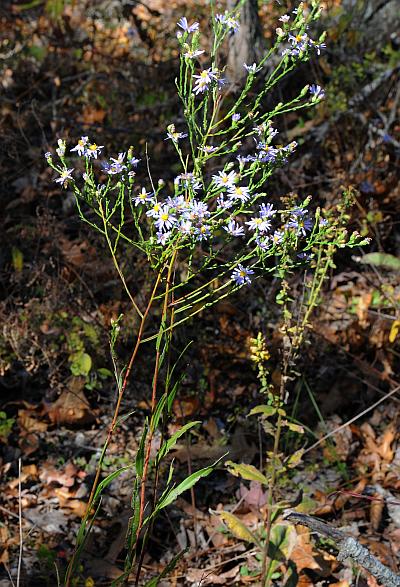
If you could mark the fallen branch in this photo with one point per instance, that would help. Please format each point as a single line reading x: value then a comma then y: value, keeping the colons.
x: 348, y: 548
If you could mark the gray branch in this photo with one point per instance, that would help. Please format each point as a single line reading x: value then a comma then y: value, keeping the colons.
x: 348, y: 548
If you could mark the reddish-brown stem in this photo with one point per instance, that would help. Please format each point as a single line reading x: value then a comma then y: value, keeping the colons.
x: 153, y: 404
x: 116, y: 413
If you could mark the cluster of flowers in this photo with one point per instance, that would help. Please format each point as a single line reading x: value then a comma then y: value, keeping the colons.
x: 300, y: 42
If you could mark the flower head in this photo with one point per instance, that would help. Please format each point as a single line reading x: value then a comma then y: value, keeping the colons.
x: 193, y: 53
x: 165, y: 219
x: 234, y: 229
x: 184, y: 25
x: 241, y: 193
x: 227, y: 22
x: 204, y: 79
x: 65, y: 175
x: 316, y: 92
x: 224, y: 179
x: 241, y: 275
x: 61, y: 148
x: 93, y: 150
x: 267, y: 210
x: 174, y: 135
x: 80, y: 147
x: 142, y: 198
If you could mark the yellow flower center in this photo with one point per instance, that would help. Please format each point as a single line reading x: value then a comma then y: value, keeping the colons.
x: 164, y: 216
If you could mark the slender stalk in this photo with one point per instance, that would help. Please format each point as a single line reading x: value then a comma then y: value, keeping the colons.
x: 113, y: 422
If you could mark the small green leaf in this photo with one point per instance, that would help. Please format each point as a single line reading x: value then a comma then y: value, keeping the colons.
x: 248, y: 472
x: 169, y: 444
x: 81, y: 363
x: 139, y: 463
x: 264, y: 410
x: 17, y: 259
x: 237, y: 528
x: 381, y: 260
x: 172, y: 495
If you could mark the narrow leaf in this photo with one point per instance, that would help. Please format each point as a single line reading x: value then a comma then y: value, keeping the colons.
x: 237, y: 528
x: 248, y: 472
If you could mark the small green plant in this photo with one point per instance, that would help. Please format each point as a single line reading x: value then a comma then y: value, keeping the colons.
x: 6, y: 425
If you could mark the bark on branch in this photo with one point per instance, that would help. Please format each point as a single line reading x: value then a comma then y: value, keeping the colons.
x: 348, y: 548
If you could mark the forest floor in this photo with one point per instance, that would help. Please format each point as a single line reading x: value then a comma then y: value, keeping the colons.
x: 58, y: 295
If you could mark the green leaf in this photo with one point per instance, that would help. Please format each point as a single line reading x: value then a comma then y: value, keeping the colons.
x: 293, y: 427
x: 381, y: 260
x: 264, y: 410
x: 17, y: 259
x: 103, y: 484
x: 172, y: 495
x: 237, y: 528
x: 81, y: 363
x: 248, y: 472
x: 169, y: 444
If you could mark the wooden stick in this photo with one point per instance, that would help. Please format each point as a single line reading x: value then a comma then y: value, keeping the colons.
x: 348, y: 547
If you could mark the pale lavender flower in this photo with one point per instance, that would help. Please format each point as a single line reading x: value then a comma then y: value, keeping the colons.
x: 234, y: 229
x: 224, y: 179
x: 48, y: 155
x: 188, y: 180
x: 236, y: 117
x: 241, y: 275
x: 186, y: 227
x: 184, y: 25
x: 193, y: 53
x: 263, y: 241
x: 65, y: 175
x: 196, y: 210
x: 267, y: 211
x: 268, y: 154
x: 250, y: 68
x: 93, y: 150
x: 162, y: 237
x: 165, y: 219
x: 134, y: 161
x: 259, y: 223
x: 323, y: 222
x: 143, y: 198
x: 174, y: 135
x: 80, y: 147
x: 237, y: 192
x: 155, y: 210
x: 224, y: 203
x: 202, y: 232
x: 301, y: 225
x: 204, y: 79
x: 317, y: 92
x: 208, y: 149
x: 277, y: 237
x: 284, y: 18
x: 228, y: 21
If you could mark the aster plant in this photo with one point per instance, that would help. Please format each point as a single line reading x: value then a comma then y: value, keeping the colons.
x: 215, y: 218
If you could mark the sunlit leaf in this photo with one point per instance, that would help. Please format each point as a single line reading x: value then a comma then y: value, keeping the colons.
x: 237, y: 528
x: 248, y: 472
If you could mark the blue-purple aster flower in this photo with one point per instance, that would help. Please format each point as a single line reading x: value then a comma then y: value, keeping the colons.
x: 236, y: 117
x: 316, y: 92
x: 162, y: 237
x: 93, y: 150
x: 228, y: 21
x: 208, y: 149
x: 234, y: 229
x: 174, y: 135
x: 267, y: 211
x: 277, y: 237
x: 301, y: 225
x: 202, y: 232
x: 192, y: 53
x: 80, y: 147
x: 65, y: 176
x: 241, y: 275
x: 143, y: 198
x: 184, y: 25
x: 225, y: 180
x: 134, y: 161
x: 165, y: 219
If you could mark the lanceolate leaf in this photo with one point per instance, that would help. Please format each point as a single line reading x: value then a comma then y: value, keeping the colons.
x: 381, y: 260
x: 169, y: 444
x: 248, y: 472
x: 237, y: 528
